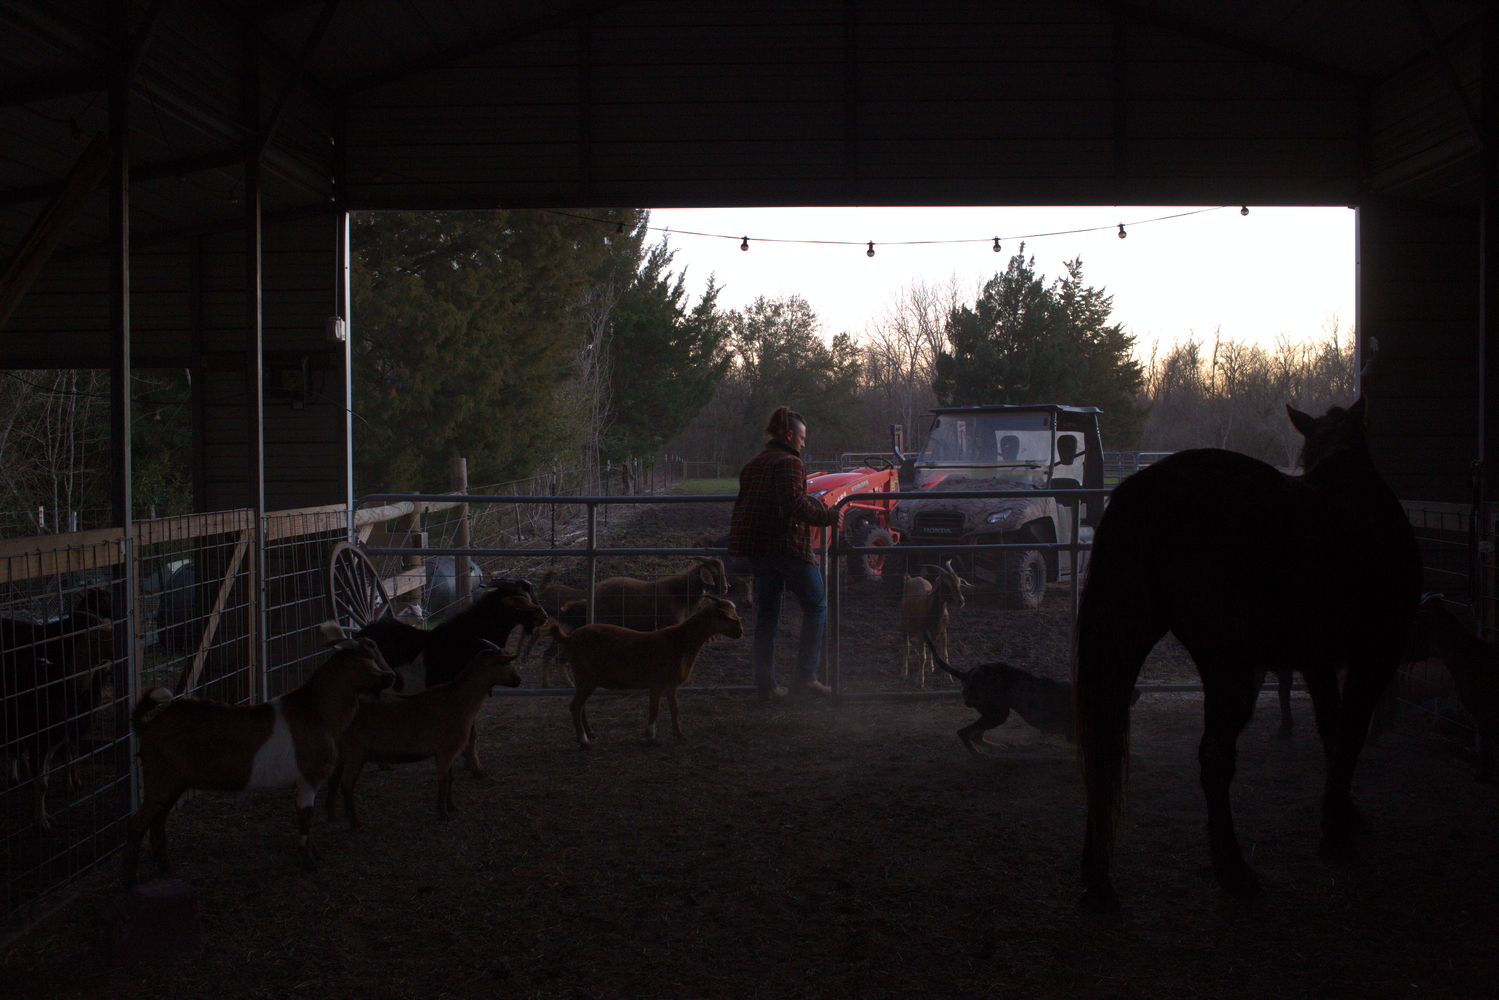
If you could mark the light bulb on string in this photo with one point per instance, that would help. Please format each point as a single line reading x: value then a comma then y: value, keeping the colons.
x: 1122, y: 233
x: 744, y: 244
x: 619, y: 230
x: 1244, y: 210
x: 870, y: 251
x: 996, y: 244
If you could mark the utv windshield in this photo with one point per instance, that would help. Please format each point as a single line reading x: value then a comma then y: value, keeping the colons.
x: 1015, y: 446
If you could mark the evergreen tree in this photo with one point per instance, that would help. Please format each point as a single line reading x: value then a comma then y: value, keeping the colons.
x: 1024, y: 342
x: 783, y: 360
x: 667, y: 359
x: 463, y: 326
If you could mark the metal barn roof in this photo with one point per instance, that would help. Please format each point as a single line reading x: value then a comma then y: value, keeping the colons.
x: 287, y: 114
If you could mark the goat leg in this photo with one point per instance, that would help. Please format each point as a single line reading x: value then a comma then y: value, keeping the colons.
x: 580, y: 716
x: 671, y: 703
x: 346, y: 787
x: 159, y: 835
x: 650, y: 722
x: 471, y: 754
x: 306, y: 797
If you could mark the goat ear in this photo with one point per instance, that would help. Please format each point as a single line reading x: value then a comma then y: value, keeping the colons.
x: 345, y: 644
x: 1303, y: 422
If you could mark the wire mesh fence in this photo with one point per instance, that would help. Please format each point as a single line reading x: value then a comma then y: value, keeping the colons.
x: 1457, y: 550
x: 226, y: 606
x: 65, y: 692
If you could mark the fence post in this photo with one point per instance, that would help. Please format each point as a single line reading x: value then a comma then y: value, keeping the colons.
x: 593, y: 563
x: 408, y: 524
x: 458, y: 480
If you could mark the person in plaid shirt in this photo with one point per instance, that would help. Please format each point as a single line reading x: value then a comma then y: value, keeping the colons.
x: 771, y: 527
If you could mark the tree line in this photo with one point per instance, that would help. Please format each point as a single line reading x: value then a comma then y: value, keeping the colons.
x: 524, y: 340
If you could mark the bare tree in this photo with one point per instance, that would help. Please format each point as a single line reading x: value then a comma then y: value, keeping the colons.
x: 900, y: 351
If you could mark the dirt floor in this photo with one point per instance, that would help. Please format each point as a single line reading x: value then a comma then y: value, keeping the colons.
x: 808, y: 849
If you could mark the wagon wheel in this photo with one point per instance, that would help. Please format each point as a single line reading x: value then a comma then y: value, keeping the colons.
x: 354, y: 594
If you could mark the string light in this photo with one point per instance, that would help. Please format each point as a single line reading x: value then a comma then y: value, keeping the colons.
x: 1244, y: 210
x: 994, y: 241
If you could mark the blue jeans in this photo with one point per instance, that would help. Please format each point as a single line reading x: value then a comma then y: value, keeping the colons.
x: 773, y: 575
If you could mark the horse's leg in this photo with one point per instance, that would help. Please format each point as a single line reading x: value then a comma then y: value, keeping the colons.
x: 1367, y: 678
x: 1322, y: 686
x: 1229, y: 694
x: 1287, y: 676
x: 1108, y: 665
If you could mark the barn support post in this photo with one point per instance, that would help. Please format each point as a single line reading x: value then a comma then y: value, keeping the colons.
x: 1488, y: 309
x: 255, y: 640
x: 121, y: 496
x: 591, y: 555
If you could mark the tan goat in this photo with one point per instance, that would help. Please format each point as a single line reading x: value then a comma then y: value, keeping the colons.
x: 190, y: 743
x: 610, y: 656
x: 431, y: 724
x: 925, y: 608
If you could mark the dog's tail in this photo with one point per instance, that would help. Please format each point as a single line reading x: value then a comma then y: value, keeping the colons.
x: 961, y: 675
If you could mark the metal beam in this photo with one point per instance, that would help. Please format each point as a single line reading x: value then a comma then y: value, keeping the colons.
x: 850, y: 97
x: 1189, y: 29
x: 299, y: 68
x: 566, y: 18
x: 121, y: 489
x: 52, y: 223
x: 17, y: 92
x: 1458, y: 90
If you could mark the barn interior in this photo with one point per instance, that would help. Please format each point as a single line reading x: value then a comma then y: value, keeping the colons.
x: 178, y: 180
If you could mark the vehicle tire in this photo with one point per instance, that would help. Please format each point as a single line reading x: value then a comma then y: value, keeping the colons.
x: 862, y: 567
x: 1024, y: 578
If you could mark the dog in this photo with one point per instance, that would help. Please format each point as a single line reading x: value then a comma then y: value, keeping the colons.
x: 995, y: 689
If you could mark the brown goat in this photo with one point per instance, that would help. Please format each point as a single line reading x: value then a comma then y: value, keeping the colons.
x: 432, y: 724
x: 610, y: 656
x: 643, y: 605
x: 652, y: 604
x: 190, y: 743
x: 1474, y: 666
x: 925, y: 608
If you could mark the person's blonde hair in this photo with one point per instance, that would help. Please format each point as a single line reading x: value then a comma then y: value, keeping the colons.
x: 781, y: 420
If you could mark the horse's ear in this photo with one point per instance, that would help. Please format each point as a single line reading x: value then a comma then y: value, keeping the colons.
x: 1301, y: 421
x: 1356, y: 411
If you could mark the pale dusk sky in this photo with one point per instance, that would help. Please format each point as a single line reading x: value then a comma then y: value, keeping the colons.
x: 1274, y: 271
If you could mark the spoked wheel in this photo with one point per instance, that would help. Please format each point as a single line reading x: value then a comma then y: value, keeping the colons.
x: 353, y: 591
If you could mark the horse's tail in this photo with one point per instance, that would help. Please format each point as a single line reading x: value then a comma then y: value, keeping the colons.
x: 1114, y: 634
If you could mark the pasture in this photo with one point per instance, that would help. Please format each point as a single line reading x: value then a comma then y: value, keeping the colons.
x: 803, y: 849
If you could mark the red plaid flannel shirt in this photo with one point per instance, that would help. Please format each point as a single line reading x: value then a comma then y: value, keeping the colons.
x: 773, y: 514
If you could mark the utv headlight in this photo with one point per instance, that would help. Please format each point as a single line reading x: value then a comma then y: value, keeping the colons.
x: 817, y: 494
x: 998, y: 516
x: 900, y: 515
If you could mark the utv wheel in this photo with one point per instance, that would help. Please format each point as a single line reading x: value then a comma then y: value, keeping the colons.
x: 862, y: 566
x: 1024, y: 579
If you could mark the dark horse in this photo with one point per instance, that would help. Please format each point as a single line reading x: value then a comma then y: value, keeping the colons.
x: 1253, y: 570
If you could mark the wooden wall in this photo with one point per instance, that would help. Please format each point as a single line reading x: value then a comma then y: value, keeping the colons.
x: 188, y: 309
x: 1418, y: 295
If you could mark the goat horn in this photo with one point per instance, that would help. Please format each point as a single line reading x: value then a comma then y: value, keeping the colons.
x: 491, y: 645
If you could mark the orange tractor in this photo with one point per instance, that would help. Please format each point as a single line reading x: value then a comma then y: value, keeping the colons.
x: 865, y: 521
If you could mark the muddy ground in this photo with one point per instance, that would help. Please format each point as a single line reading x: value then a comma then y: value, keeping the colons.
x: 807, y: 849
